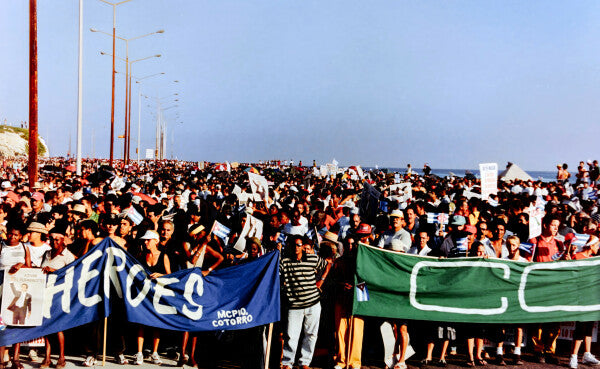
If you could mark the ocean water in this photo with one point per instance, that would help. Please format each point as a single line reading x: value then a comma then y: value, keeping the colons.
x: 545, y: 176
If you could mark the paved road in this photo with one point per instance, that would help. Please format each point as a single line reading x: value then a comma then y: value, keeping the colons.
x: 454, y: 362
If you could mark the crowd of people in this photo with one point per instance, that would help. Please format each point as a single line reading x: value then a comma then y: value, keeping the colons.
x: 316, y: 222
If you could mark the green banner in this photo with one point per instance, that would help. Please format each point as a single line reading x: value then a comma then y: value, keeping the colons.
x: 475, y: 290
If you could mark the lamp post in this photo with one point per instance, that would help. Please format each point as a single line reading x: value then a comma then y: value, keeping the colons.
x: 79, y: 91
x: 33, y: 95
x: 130, y: 65
x: 163, y: 135
x: 139, y: 81
x: 157, y: 150
x: 112, y: 104
x: 127, y: 133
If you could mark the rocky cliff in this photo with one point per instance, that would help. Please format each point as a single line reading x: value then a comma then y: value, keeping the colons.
x: 14, y: 142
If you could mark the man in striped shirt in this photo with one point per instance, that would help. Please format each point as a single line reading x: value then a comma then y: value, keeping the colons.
x: 298, y: 275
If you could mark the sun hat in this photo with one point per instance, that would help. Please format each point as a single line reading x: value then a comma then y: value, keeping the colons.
x: 37, y: 227
x: 363, y: 229
x: 397, y: 214
x: 150, y: 235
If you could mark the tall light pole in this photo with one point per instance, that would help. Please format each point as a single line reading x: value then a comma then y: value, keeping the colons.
x: 33, y: 95
x: 79, y: 90
x: 130, y: 63
x: 159, y: 122
x: 126, y: 141
x: 139, y: 81
x: 163, y: 135
x: 112, y: 104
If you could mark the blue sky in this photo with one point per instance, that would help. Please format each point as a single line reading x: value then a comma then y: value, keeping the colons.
x: 451, y: 83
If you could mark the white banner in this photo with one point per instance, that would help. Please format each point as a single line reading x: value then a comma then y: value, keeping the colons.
x: 149, y: 154
x: 489, y: 179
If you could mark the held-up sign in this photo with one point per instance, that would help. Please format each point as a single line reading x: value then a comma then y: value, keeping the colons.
x: 23, y: 297
x: 489, y: 179
x: 260, y: 187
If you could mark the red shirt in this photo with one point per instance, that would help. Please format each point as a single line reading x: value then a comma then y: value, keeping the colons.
x: 545, y: 250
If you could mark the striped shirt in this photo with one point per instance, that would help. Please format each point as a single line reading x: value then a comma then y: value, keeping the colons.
x: 299, y: 280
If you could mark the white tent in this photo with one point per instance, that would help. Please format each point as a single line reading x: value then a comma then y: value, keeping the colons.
x: 512, y: 172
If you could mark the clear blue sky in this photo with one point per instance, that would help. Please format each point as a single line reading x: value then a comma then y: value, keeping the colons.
x: 451, y: 83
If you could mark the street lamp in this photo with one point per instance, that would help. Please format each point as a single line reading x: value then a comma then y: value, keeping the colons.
x: 164, y: 133
x: 158, y: 148
x: 139, y: 81
x: 127, y: 129
x: 112, y: 105
x: 127, y: 135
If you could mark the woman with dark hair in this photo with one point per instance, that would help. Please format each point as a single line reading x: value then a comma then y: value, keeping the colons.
x: 195, y: 249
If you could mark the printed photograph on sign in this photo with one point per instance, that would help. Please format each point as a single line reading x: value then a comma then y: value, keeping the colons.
x: 23, y: 297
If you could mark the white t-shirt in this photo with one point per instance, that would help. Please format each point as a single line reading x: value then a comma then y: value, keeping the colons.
x: 11, y: 255
x: 295, y: 230
x: 37, y: 253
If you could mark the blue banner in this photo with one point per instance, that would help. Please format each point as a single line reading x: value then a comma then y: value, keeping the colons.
x: 238, y: 297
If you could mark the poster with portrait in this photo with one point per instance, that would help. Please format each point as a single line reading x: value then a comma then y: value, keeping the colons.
x: 260, y: 188
x: 253, y: 227
x: 23, y: 297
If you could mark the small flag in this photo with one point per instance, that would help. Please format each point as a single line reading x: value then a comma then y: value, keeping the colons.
x: 579, y: 241
x: 527, y: 248
x: 437, y: 218
x: 220, y: 230
x: 281, y: 238
x: 362, y: 293
x: 134, y: 215
x: 557, y: 256
x: 462, y: 244
x: 589, y: 194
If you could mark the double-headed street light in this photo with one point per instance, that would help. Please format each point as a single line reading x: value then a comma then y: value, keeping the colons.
x: 127, y: 133
x: 139, y: 81
x: 112, y: 105
x: 128, y: 123
x: 163, y: 135
x: 158, y: 149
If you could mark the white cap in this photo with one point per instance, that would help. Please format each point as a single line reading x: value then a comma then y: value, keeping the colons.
x: 150, y: 235
x: 6, y: 184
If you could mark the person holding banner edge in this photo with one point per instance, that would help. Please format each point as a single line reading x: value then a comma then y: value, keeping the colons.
x: 298, y: 276
x: 158, y: 264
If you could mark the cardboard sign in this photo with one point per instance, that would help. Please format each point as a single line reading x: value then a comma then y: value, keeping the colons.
x: 23, y: 297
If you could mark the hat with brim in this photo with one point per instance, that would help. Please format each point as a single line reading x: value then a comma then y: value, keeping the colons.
x: 37, y: 227
x: 363, y: 229
x: 458, y: 220
x: 78, y: 208
x: 397, y: 214
x: 38, y: 196
x: 150, y: 235
x: 330, y: 236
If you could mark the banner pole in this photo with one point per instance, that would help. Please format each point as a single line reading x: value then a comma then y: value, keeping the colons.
x: 104, y: 342
x: 268, y: 351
